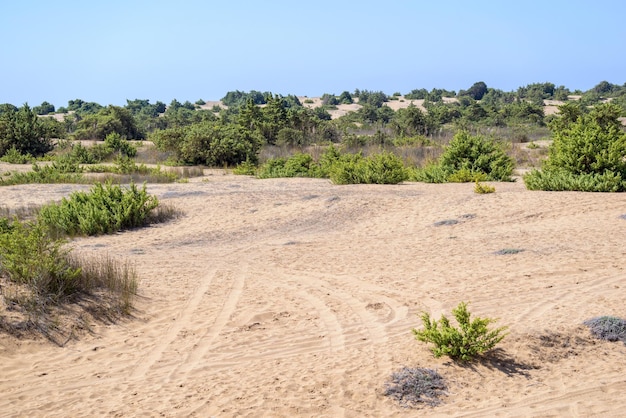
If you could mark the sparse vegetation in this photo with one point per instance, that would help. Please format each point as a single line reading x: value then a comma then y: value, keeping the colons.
x: 412, y: 387
x: 38, y: 275
x: 473, y: 338
x: 481, y: 188
x: 610, y: 328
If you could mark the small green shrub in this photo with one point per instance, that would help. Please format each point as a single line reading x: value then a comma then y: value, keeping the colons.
x: 481, y: 188
x: 469, y: 158
x: 588, y: 153
x: 13, y: 156
x: 562, y: 180
x: 246, y: 168
x: 411, y: 387
x: 29, y: 256
x: 46, y: 174
x: 105, y: 209
x: 383, y: 168
x: 473, y: 338
x: 509, y: 251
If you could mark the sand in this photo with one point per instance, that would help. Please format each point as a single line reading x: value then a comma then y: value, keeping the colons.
x: 296, y: 297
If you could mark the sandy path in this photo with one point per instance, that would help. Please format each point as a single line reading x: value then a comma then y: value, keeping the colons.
x: 294, y: 297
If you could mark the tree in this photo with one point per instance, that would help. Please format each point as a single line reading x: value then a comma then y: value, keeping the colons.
x: 112, y: 119
x: 410, y: 121
x: 44, y: 108
x: 476, y: 92
x: 210, y: 143
x: 23, y: 130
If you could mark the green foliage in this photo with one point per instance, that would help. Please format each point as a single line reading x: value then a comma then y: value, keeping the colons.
x: 246, y: 168
x: 13, y: 156
x: 30, y: 257
x: 44, y: 108
x: 299, y: 165
x: 481, y: 188
x: 116, y: 143
x: 108, y: 120
x: 476, y: 92
x: 588, y: 153
x: 105, y: 209
x: 43, y: 272
x: 238, y: 98
x: 383, y: 168
x: 209, y: 143
x: 563, y: 180
x: 469, y: 158
x: 45, y: 174
x: 473, y: 338
x: 23, y: 130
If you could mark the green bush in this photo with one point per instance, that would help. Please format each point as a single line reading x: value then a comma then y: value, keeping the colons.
x: 13, y: 156
x: 104, y: 209
x: 471, y: 339
x: 469, y: 158
x: 46, y: 174
x: 563, y: 180
x: 480, y: 188
x: 41, y: 273
x: 588, y: 153
x: 383, y: 168
x: 30, y: 257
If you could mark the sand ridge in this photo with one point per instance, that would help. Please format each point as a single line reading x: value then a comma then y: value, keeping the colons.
x: 296, y: 297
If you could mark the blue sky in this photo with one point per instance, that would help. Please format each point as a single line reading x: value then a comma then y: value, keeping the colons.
x: 110, y: 51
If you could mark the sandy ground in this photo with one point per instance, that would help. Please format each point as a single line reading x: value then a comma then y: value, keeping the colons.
x: 295, y: 297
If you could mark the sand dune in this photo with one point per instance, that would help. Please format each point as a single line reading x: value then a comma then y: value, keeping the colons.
x: 295, y: 297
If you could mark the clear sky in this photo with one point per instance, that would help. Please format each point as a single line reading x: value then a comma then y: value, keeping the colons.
x: 110, y: 51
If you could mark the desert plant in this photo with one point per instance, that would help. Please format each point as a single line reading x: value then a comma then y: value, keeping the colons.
x: 383, y: 168
x: 414, y: 386
x: 104, y: 209
x: 610, y: 328
x: 481, y: 188
x: 588, y: 153
x: 468, y: 158
x: 13, y: 156
x: 473, y: 338
x: 246, y: 168
x: 29, y: 256
x: 45, y: 174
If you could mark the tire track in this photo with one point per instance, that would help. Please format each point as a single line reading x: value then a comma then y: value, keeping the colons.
x: 191, y: 305
x: 205, y: 341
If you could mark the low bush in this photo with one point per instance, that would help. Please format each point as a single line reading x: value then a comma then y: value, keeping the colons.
x: 383, y: 168
x: 563, y: 180
x: 45, y: 174
x: 38, y: 275
x: 610, y: 328
x: 104, y: 209
x: 473, y: 338
x: 468, y: 158
x: 13, y: 156
x: 414, y: 386
x: 29, y: 256
x: 481, y: 188
x: 588, y: 153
